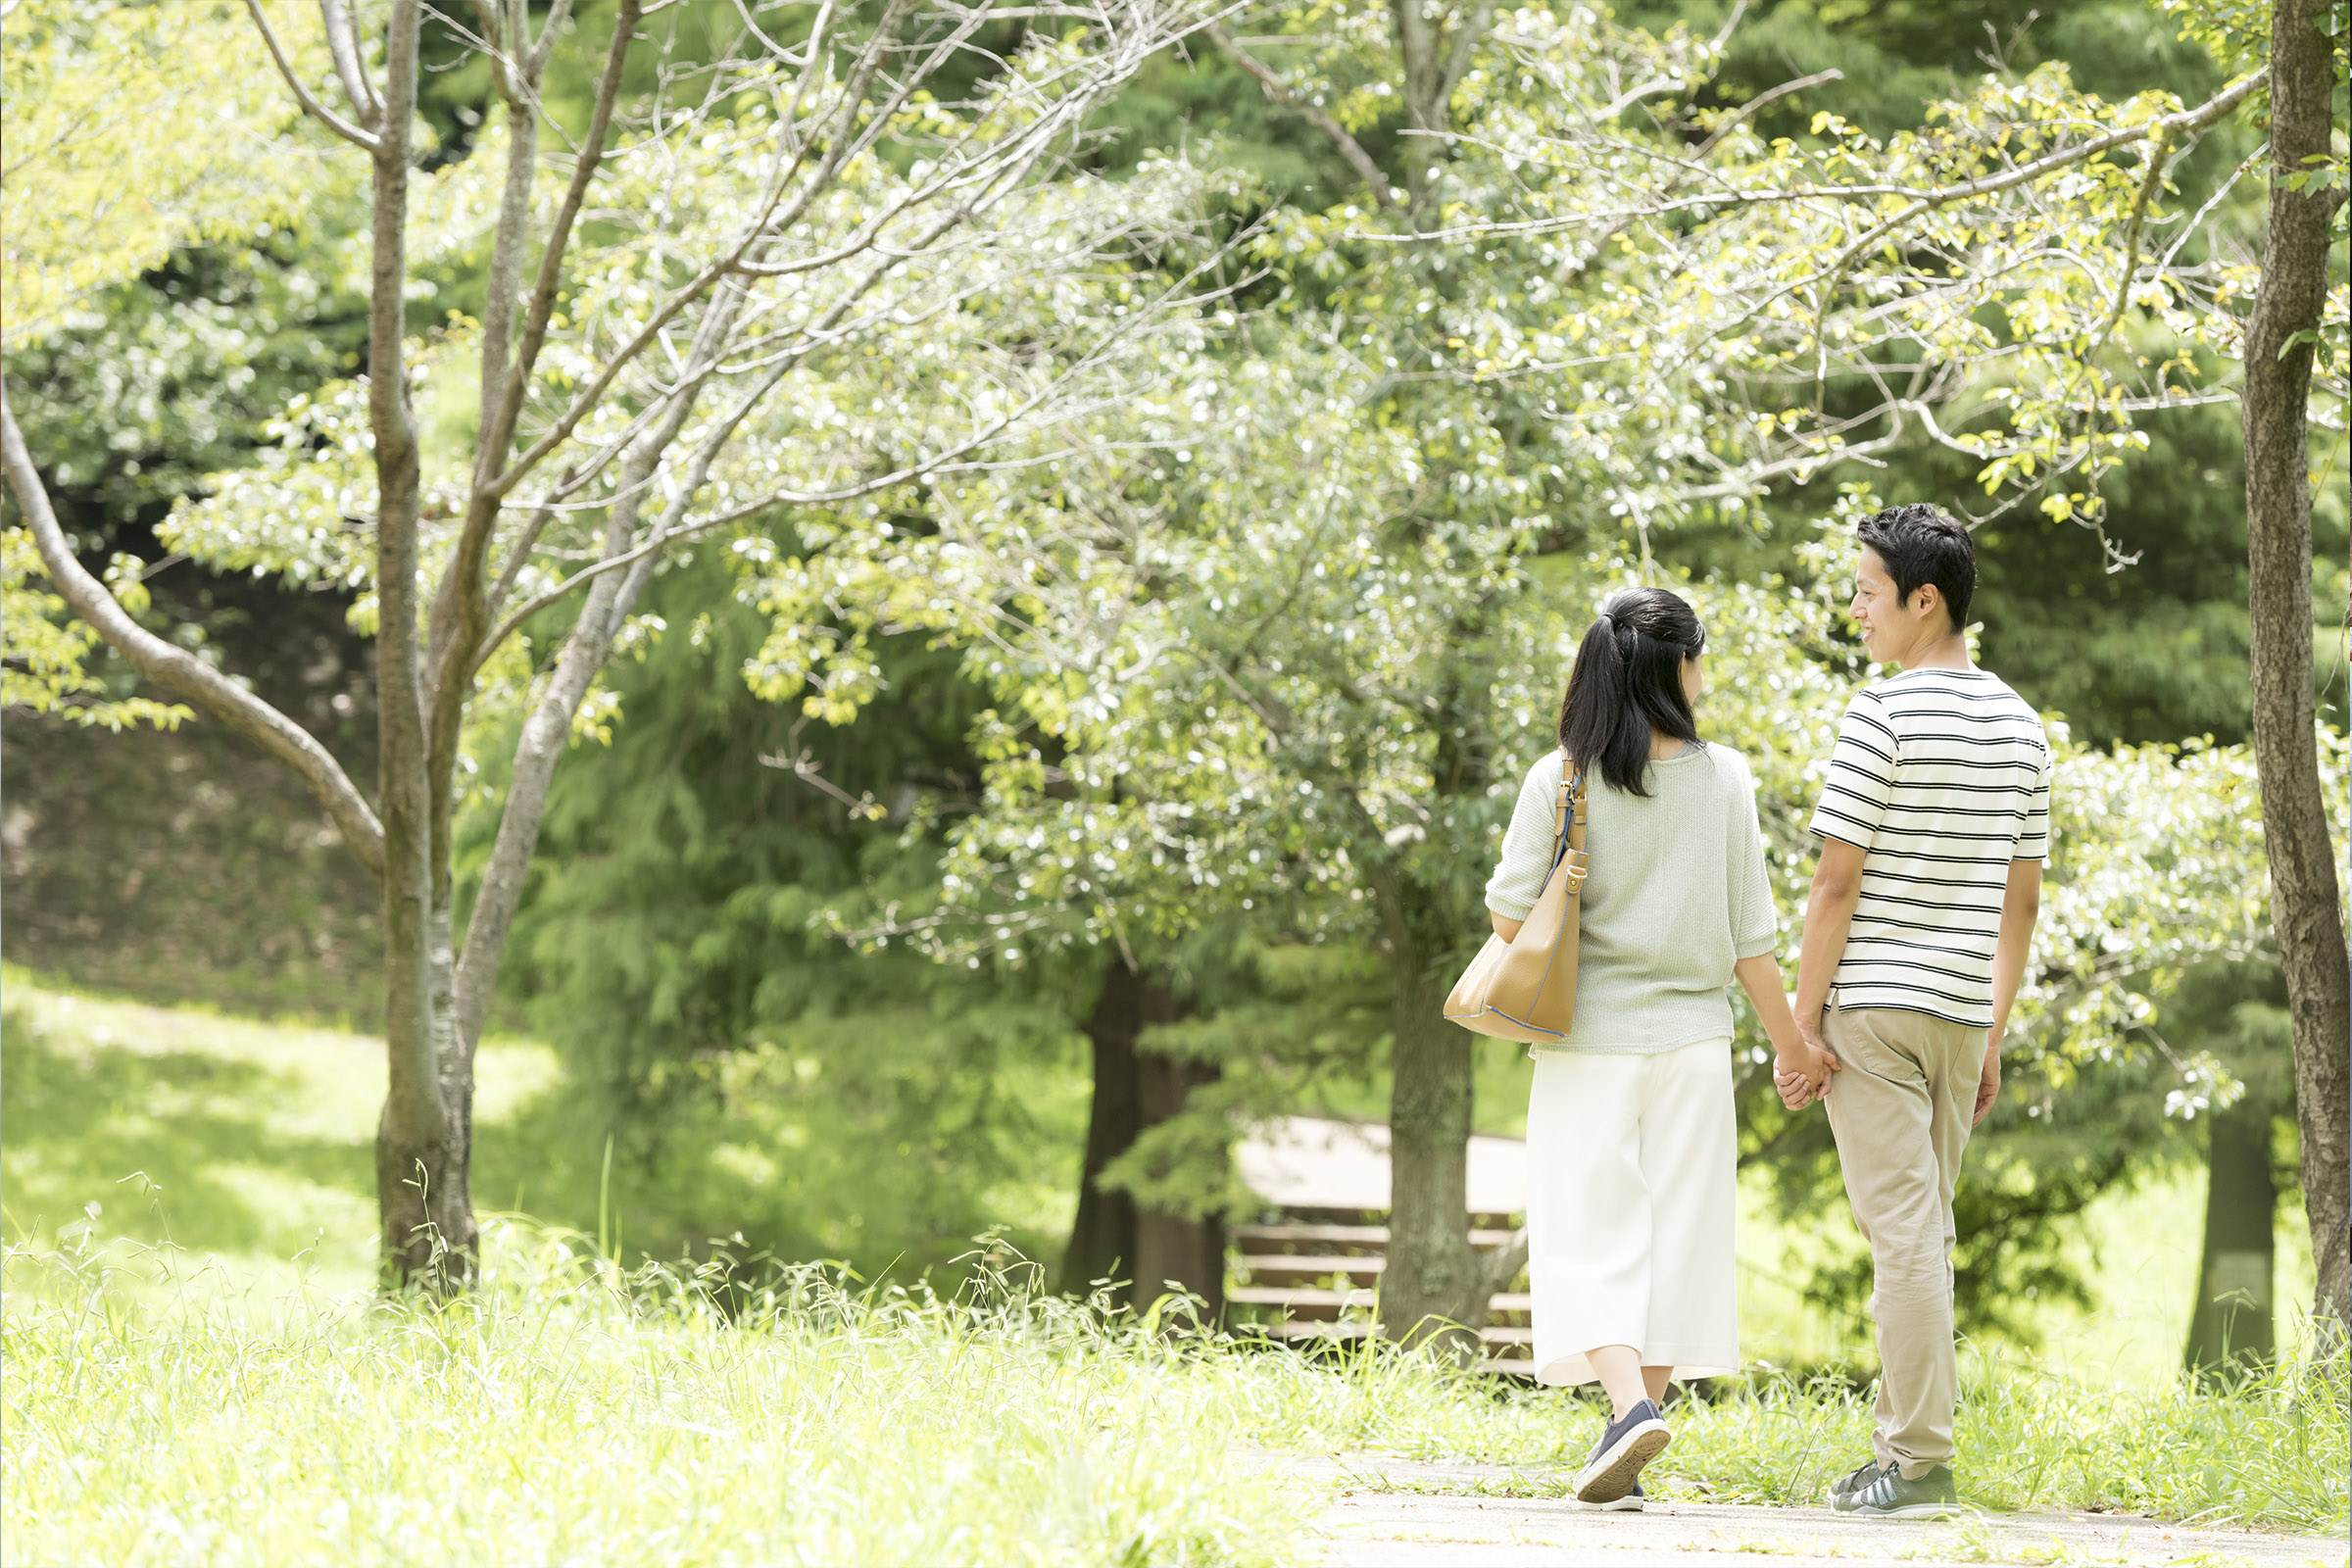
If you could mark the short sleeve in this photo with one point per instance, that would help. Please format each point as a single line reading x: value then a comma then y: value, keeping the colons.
x: 2034, y: 838
x: 1853, y: 798
x: 1755, y: 924
x: 1528, y: 844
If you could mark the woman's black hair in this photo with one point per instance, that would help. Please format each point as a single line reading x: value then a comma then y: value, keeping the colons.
x: 1628, y: 680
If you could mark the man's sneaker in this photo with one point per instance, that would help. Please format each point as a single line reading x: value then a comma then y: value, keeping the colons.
x: 1843, y: 1489
x: 1629, y: 1443
x: 1891, y: 1497
x: 1631, y: 1502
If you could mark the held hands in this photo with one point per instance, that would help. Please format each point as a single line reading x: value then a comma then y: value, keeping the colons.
x: 1802, y: 1074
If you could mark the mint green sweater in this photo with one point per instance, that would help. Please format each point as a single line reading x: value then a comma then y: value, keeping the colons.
x: 1675, y: 895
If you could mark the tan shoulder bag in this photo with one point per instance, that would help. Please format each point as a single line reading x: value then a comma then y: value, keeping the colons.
x: 1525, y: 989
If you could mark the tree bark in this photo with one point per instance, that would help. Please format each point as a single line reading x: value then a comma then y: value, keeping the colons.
x: 426, y: 1212
x: 2305, y: 910
x: 2230, y: 1330
x: 1173, y: 1252
x: 1433, y: 1280
x: 1143, y: 1252
x: 1103, y: 1236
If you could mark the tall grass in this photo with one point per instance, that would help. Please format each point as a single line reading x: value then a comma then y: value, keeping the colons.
x: 570, y: 1412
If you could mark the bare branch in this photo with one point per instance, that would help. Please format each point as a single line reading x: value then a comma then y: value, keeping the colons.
x: 301, y: 95
x: 1501, y: 1266
x: 1347, y: 146
x: 558, y: 14
x: 336, y: 20
x: 498, y: 437
x: 182, y: 671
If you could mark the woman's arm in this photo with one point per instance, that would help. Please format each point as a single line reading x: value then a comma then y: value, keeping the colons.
x: 1801, y: 1073
x: 1505, y: 927
x: 1760, y: 978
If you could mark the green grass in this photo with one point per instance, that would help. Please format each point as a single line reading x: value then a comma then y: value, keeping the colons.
x: 195, y: 1372
x: 570, y: 1414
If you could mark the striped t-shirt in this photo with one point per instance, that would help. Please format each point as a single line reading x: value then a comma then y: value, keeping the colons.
x: 1942, y: 777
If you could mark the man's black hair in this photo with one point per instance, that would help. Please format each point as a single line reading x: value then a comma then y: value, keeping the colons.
x: 1920, y: 544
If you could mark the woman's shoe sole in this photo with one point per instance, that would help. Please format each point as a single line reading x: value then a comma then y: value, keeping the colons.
x: 1614, y: 1473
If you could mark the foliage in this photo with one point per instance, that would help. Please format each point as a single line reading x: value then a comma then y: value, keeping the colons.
x: 44, y: 672
x: 744, y: 1071
x: 132, y: 391
x: 156, y: 126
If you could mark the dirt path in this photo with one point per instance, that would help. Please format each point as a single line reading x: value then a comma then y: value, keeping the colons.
x: 1390, y: 1514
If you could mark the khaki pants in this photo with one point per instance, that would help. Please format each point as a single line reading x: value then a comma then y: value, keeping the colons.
x: 1899, y: 1109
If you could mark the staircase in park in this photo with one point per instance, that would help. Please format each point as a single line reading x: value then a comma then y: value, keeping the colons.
x: 1308, y: 1269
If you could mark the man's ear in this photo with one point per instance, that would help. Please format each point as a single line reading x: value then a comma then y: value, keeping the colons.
x: 1930, y: 597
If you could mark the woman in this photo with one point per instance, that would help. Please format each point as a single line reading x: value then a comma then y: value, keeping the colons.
x: 1630, y: 1128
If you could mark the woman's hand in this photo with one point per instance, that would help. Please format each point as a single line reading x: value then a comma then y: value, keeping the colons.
x: 1802, y: 1076
x: 1800, y: 1066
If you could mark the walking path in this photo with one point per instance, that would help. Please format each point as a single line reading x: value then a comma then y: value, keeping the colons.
x: 1392, y: 1513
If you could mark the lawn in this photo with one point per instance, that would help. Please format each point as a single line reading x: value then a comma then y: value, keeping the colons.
x: 195, y: 1372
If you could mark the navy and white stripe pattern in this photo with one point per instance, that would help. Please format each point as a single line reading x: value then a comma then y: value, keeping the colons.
x: 1942, y: 777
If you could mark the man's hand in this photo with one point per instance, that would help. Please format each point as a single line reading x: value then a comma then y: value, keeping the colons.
x: 1988, y: 1083
x: 1803, y: 1078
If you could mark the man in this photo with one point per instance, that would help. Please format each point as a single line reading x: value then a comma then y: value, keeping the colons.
x: 1934, y: 822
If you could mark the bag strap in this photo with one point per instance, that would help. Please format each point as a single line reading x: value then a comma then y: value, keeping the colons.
x: 1568, y: 813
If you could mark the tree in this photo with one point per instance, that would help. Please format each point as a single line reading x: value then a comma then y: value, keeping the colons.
x: 809, y: 280
x: 2282, y: 339
x: 2233, y: 1012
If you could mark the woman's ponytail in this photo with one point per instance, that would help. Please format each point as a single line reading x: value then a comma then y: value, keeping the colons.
x: 1627, y: 681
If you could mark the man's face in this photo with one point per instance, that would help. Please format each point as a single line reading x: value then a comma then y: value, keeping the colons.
x: 1889, y: 627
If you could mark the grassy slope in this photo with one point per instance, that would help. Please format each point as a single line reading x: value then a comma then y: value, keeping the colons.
x: 251, y: 1141
x: 570, y: 1412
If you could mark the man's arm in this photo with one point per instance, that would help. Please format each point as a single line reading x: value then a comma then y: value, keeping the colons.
x: 2021, y: 902
x: 1829, y: 917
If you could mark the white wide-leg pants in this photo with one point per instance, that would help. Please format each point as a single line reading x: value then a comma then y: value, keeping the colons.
x: 1630, y: 1209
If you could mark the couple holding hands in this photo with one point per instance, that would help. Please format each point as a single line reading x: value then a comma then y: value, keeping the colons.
x: 1934, y: 821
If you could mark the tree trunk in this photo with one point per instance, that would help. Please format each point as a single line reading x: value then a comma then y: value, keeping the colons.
x: 2229, y: 1331
x: 1143, y: 1251
x: 1173, y: 1252
x: 1103, y: 1236
x: 2305, y: 910
x: 422, y: 1194
x: 1433, y: 1279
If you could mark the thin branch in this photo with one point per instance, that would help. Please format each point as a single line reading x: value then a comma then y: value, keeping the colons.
x: 557, y: 15
x: 1923, y: 198
x: 810, y: 772
x: 2168, y: 126
x: 1740, y: 115
x: 1278, y: 92
x: 301, y: 95
x: 182, y: 671
x: 336, y: 20
x: 2131, y: 268
x: 551, y: 259
x: 1466, y: 40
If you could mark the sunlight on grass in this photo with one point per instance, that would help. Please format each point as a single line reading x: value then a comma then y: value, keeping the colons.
x: 573, y: 1414
x: 196, y: 1371
x: 572, y: 1411
x: 224, y: 1136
